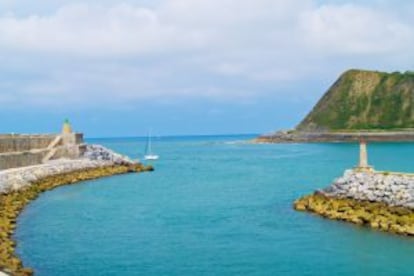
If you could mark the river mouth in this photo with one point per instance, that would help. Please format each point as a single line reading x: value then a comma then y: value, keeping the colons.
x: 214, y: 208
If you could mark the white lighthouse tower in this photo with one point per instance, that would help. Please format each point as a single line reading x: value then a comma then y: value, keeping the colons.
x: 363, y: 157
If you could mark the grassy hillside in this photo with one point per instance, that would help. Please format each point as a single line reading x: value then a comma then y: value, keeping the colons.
x: 365, y: 100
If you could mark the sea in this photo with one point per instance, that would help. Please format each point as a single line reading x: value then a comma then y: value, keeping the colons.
x: 215, y: 205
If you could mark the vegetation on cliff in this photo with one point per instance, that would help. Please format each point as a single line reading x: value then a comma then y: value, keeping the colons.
x: 366, y: 100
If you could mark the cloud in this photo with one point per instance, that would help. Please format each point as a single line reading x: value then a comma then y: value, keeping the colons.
x: 97, y: 52
x: 126, y: 29
x: 353, y: 29
x: 83, y: 29
x: 186, y: 26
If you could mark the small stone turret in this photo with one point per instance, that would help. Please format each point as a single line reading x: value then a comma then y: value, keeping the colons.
x: 72, y: 142
x: 66, y: 129
x: 67, y: 134
x: 363, y: 157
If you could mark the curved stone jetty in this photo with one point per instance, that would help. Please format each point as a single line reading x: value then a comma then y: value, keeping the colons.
x: 381, y: 200
x: 21, y: 185
x: 95, y: 156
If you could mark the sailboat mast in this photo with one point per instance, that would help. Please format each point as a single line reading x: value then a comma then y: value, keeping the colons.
x: 149, y: 150
x: 149, y: 144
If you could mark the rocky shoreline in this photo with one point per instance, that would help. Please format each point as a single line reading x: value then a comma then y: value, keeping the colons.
x: 19, y: 186
x: 380, y: 200
x: 295, y: 136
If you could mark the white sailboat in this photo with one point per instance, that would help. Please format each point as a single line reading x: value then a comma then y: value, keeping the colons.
x: 149, y: 155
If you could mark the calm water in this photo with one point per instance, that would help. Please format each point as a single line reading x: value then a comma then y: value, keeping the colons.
x: 214, y: 206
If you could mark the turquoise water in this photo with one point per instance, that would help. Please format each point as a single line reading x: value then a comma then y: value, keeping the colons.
x: 213, y: 206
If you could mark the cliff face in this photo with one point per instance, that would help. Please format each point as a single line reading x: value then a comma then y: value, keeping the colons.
x: 364, y: 100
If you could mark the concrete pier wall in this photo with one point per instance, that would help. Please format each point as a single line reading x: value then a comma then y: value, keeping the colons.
x: 19, y: 150
x: 22, y: 159
x: 18, y: 143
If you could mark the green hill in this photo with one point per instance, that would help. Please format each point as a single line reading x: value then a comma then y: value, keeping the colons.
x: 364, y: 100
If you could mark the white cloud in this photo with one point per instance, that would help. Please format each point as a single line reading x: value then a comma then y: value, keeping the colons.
x: 125, y: 29
x: 186, y: 25
x: 96, y: 52
x: 231, y: 69
x: 93, y: 31
x: 355, y: 30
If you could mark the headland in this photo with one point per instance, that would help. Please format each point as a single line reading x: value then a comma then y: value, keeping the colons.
x: 377, y: 106
x: 32, y: 164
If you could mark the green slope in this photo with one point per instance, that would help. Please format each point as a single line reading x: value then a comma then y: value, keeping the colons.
x: 365, y: 100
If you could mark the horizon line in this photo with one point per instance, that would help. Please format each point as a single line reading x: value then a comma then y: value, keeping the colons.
x: 175, y: 135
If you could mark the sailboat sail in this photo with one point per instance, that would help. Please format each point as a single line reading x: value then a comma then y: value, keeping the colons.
x: 148, y: 150
x: 148, y: 146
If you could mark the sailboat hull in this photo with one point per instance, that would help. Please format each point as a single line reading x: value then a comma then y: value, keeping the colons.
x: 151, y: 157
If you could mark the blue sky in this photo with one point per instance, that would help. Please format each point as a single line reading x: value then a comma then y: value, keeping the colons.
x: 118, y: 68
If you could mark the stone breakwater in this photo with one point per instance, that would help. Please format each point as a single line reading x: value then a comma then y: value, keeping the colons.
x: 391, y: 188
x: 380, y: 200
x: 95, y: 156
x: 19, y: 186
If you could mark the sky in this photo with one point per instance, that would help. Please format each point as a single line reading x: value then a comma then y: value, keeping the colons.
x: 120, y: 68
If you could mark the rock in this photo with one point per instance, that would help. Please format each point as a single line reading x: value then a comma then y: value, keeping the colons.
x: 100, y: 153
x: 374, y: 224
x: 393, y: 189
x: 378, y: 215
x: 299, y: 206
